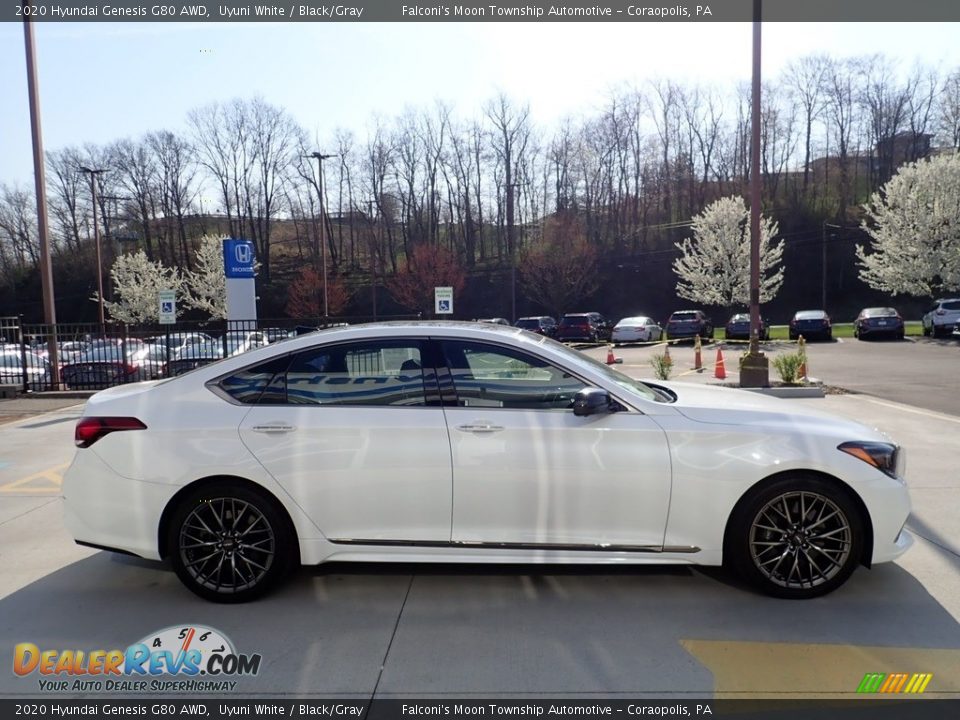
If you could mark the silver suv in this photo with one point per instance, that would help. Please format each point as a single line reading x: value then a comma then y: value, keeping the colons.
x: 942, y: 318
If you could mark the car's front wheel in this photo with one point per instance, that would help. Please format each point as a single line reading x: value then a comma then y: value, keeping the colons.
x: 799, y: 537
x: 230, y: 544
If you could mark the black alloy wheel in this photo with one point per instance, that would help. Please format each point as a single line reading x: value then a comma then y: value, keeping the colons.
x: 797, y: 538
x: 230, y: 544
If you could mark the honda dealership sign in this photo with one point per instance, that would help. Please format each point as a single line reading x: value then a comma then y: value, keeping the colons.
x: 239, y: 267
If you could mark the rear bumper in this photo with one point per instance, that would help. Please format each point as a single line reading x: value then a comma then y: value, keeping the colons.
x: 104, y: 509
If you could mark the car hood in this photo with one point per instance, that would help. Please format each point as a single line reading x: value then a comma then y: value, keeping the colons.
x: 727, y: 406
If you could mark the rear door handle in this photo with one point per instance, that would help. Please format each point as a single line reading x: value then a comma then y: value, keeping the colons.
x: 480, y: 428
x: 273, y: 428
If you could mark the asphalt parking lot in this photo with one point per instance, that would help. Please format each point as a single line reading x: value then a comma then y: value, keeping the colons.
x: 394, y: 631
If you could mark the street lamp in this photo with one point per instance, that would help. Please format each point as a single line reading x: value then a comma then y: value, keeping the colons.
x: 323, y: 245
x: 96, y: 237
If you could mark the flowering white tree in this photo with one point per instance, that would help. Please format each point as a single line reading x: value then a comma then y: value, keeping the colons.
x: 915, y: 224
x: 136, y: 283
x: 207, y: 284
x: 714, y: 265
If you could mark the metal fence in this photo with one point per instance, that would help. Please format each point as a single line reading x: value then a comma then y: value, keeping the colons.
x: 88, y: 356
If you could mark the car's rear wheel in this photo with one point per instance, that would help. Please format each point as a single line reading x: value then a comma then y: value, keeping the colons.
x: 230, y: 544
x: 799, y: 537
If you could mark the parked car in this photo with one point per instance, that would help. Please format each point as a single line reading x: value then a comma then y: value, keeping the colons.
x: 596, y: 468
x: 942, y: 317
x: 106, y: 366
x: 67, y: 351
x: 494, y: 321
x: 540, y: 324
x: 604, y: 326
x: 878, y: 321
x: 194, y: 355
x: 689, y: 323
x: 580, y: 327
x: 812, y: 324
x: 179, y: 340
x: 636, y: 329
x: 738, y: 327
x: 12, y: 368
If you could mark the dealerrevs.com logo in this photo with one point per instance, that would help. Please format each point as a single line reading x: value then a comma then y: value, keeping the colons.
x: 181, y: 658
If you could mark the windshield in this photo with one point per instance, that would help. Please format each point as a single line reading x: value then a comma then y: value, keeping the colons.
x: 683, y: 317
x: 634, y: 387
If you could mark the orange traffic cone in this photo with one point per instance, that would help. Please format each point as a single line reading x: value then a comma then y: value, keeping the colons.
x: 611, y: 358
x: 720, y: 373
x: 697, y: 360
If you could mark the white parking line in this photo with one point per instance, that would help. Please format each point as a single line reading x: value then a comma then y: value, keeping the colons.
x: 911, y: 409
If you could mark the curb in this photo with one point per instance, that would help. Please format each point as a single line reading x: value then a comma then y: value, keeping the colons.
x: 812, y: 391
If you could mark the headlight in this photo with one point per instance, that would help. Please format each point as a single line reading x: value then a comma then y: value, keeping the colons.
x: 886, y: 457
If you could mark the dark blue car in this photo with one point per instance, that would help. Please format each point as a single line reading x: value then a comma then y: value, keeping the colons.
x: 812, y: 324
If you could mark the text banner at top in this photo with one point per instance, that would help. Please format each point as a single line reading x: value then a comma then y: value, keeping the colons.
x: 481, y: 11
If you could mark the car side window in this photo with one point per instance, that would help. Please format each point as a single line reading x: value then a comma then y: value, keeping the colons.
x: 495, y: 377
x: 264, y: 383
x: 358, y: 374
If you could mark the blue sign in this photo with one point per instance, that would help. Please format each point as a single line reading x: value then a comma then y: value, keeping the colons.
x: 238, y: 258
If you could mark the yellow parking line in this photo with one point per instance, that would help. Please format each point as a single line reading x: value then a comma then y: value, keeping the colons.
x: 808, y: 669
x: 49, y: 479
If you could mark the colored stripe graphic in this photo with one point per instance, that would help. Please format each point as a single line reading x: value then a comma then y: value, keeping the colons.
x: 894, y: 683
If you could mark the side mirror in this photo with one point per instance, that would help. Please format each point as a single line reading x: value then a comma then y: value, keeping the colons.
x: 591, y: 401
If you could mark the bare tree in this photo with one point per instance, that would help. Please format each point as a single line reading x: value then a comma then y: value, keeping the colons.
x: 805, y: 78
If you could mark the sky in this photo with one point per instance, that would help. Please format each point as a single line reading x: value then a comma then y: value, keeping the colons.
x: 100, y: 82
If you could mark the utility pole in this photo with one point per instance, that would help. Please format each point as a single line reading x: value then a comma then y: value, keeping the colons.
x: 96, y: 239
x: 40, y: 188
x: 323, y: 244
x: 755, y: 371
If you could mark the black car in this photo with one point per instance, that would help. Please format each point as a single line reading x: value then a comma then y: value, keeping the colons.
x: 878, y: 321
x: 812, y: 324
x: 688, y: 324
x: 540, y: 324
x: 738, y: 327
x: 581, y: 327
x: 604, y: 326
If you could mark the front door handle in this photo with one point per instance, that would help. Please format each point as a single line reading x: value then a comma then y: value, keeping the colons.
x: 273, y: 428
x: 480, y: 428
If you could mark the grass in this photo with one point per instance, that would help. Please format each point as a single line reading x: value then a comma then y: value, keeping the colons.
x: 840, y: 330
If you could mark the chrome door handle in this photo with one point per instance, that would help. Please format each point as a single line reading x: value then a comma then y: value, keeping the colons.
x: 480, y: 428
x: 273, y: 428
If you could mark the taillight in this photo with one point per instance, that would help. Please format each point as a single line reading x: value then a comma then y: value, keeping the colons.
x: 91, y: 429
x: 130, y: 368
x: 941, y: 312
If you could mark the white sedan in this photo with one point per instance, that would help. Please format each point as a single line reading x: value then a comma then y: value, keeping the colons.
x: 462, y: 442
x: 636, y: 329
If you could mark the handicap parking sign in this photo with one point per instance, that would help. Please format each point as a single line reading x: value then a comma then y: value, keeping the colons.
x: 167, y: 306
x: 443, y: 300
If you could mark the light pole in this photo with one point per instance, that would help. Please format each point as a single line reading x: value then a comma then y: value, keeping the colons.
x: 40, y: 187
x: 823, y: 265
x: 323, y: 245
x: 755, y: 370
x: 96, y: 238
x: 511, y: 246
x: 374, y: 254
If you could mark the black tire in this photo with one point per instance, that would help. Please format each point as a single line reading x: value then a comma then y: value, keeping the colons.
x: 761, y: 540
x: 261, y: 538
x: 926, y: 331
